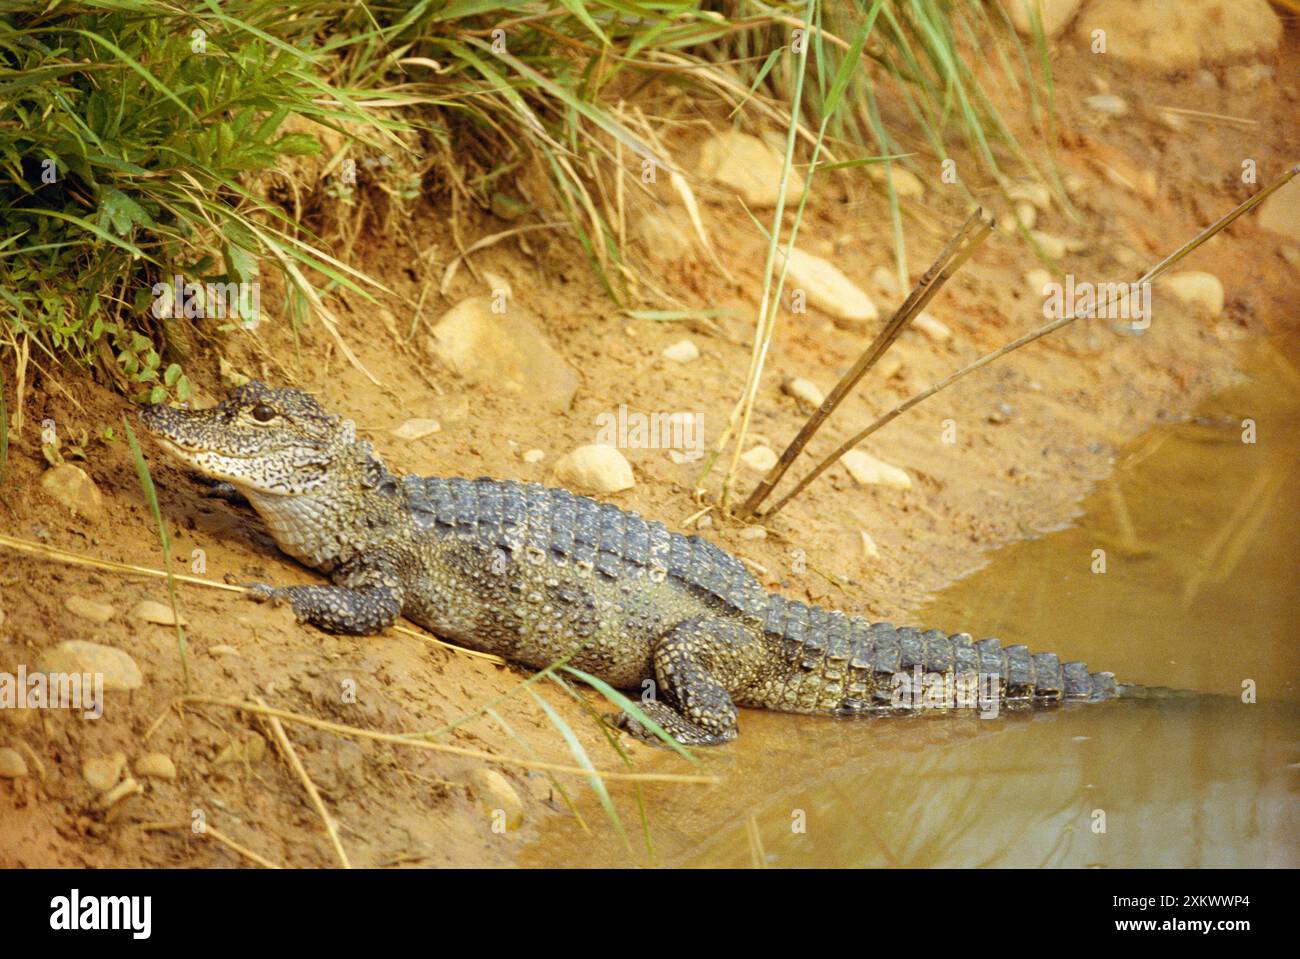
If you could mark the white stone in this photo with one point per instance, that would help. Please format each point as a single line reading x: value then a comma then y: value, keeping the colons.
x: 828, y: 289
x: 503, y: 351
x: 1037, y: 280
x: 1055, y: 15
x: 683, y: 351
x: 78, y: 656
x: 759, y: 458
x: 906, y: 184
x: 885, y: 280
x: 748, y: 166
x: 155, y: 766
x: 103, y: 772
x: 596, y: 468
x: 1031, y: 192
x: 1107, y: 104
x: 1057, y: 247
x: 497, y: 797
x: 869, y: 471
x: 869, y: 548
x: 932, y: 328
x: 1196, y: 287
x: 1280, y: 213
x: 805, y: 391
x: 150, y: 611
x: 534, y: 456
x: 1167, y: 35
x: 72, y: 487
x: 416, y: 429
x: 12, y: 764
x: 88, y: 609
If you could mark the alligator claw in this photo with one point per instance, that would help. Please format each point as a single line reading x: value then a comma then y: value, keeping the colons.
x: 262, y: 593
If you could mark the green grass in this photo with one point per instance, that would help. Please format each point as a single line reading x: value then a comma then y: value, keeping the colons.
x: 151, y: 496
x: 139, y: 140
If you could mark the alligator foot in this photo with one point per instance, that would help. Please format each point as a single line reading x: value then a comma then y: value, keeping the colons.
x: 335, y: 609
x: 673, y: 723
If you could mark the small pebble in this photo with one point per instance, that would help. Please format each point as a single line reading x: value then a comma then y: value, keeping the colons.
x: 12, y: 764
x: 869, y: 471
x: 497, y: 797
x: 805, y: 391
x: 760, y: 459
x: 886, y: 280
x: 869, y: 548
x: 534, y: 456
x: 88, y: 609
x: 683, y: 351
x: 932, y: 328
x: 153, y: 612
x: 416, y: 429
x: 155, y: 766
x: 1107, y: 104
x: 102, y: 773
x: 596, y: 468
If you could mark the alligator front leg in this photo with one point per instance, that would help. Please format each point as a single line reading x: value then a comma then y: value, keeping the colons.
x: 691, y: 703
x: 360, y: 611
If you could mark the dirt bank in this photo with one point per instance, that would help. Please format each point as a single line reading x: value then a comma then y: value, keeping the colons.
x: 1030, y: 435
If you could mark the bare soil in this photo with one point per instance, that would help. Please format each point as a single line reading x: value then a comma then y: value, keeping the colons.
x: 1014, y: 471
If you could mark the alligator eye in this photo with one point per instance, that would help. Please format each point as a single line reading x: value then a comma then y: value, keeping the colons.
x: 263, y: 413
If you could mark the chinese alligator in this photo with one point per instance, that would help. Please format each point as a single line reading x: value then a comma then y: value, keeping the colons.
x: 534, y: 574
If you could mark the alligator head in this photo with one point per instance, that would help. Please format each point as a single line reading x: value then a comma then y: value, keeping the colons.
x: 274, y: 442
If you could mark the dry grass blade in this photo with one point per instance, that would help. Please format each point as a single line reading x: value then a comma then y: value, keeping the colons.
x: 1150, y: 275
x: 211, y: 832
x: 972, y: 233
x: 291, y: 757
x: 404, y: 739
x: 57, y: 555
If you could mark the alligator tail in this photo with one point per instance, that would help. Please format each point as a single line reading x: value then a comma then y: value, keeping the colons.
x: 848, y: 664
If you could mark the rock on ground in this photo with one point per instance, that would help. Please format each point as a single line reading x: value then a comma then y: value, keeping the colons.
x: 683, y: 351
x: 151, y: 611
x: 12, y: 764
x: 78, y: 656
x: 1055, y: 15
x: 1281, y: 212
x: 74, y: 489
x: 155, y: 766
x: 496, y: 795
x: 102, y: 772
x: 1197, y: 288
x: 1167, y: 35
x: 828, y: 289
x: 416, y: 429
x: 505, y: 351
x: 805, y: 392
x: 869, y: 471
x: 748, y: 166
x: 595, y: 469
x: 88, y: 609
x: 666, y: 233
x: 936, y: 330
x: 760, y: 458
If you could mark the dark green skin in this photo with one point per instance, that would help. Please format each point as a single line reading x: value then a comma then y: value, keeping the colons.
x: 535, y: 574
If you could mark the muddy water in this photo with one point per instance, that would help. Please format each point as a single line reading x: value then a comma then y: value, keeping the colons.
x: 1199, y: 533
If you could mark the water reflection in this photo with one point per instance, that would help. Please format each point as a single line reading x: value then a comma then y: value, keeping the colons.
x: 1198, y: 532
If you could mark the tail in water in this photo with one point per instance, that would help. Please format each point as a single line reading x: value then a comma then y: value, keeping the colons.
x: 847, y: 664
